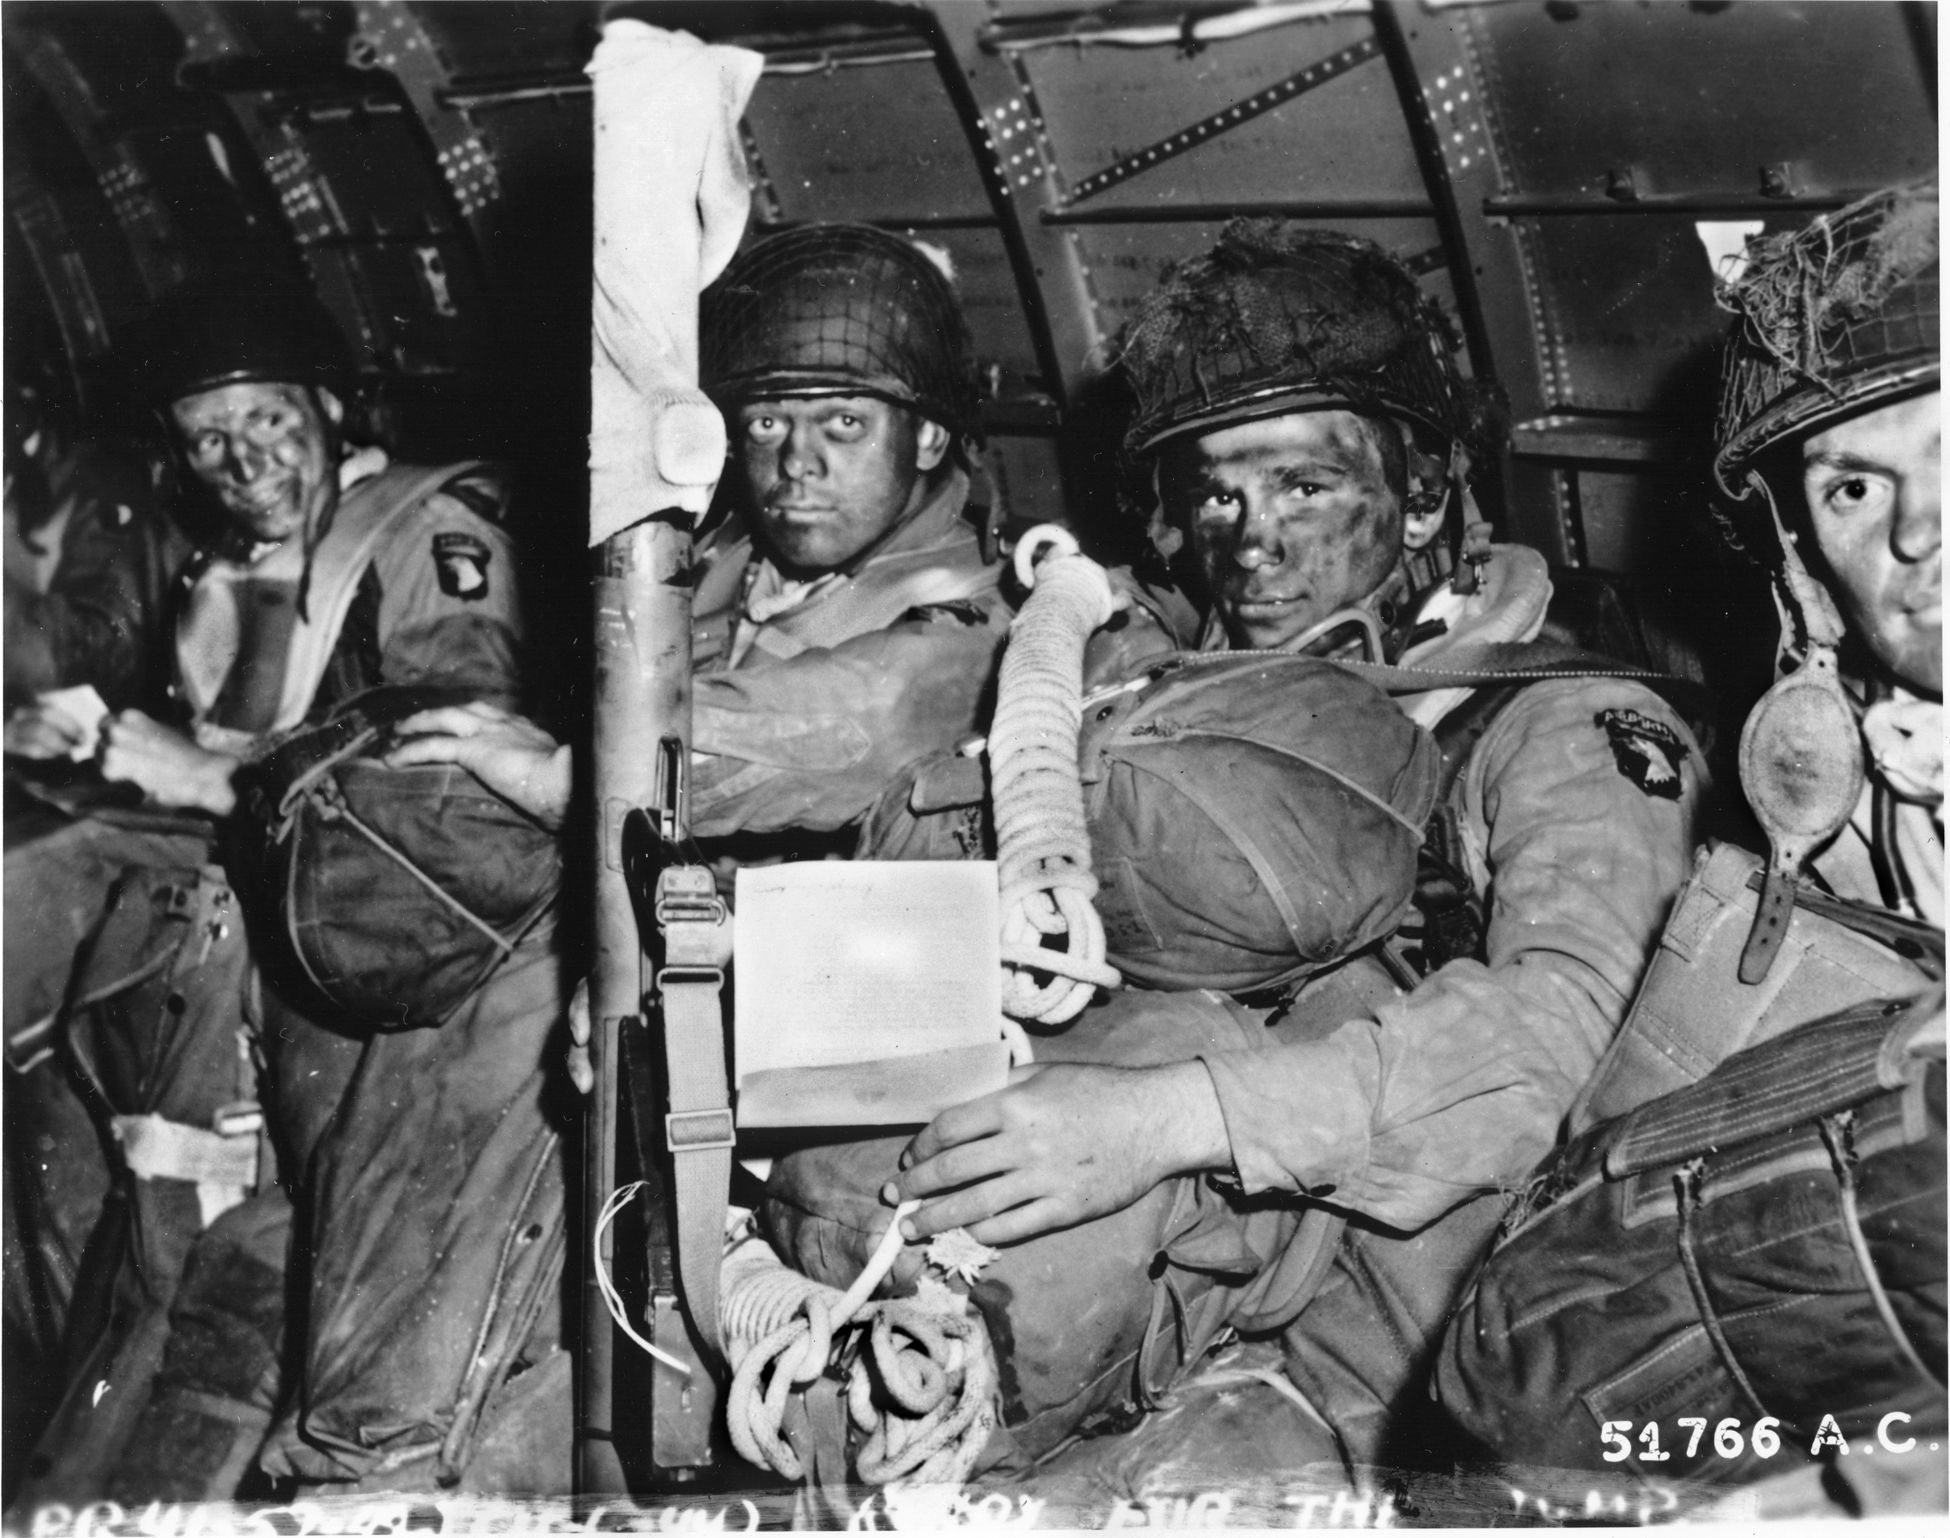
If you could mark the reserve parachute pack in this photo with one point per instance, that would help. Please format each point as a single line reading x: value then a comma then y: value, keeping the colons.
x: 400, y: 890
x: 1253, y: 819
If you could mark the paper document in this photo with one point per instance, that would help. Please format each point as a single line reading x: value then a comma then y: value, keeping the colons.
x: 869, y: 992
x: 83, y: 706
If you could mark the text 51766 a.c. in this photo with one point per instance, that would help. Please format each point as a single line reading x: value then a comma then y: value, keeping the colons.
x: 1697, y: 1436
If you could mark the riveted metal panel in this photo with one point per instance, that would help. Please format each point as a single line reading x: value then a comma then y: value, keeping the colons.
x: 826, y: 159
x: 512, y: 38
x: 1698, y: 98
x: 372, y: 166
x: 1336, y: 130
x: 1623, y: 294
x: 1634, y: 317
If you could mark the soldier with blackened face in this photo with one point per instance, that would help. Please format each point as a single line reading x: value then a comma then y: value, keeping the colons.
x: 1779, y: 1083
x: 336, y: 571
x: 1308, y: 440
x: 336, y: 577
x: 846, y: 619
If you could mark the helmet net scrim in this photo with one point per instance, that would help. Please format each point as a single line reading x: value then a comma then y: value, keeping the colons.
x: 1834, y: 318
x: 839, y: 309
x: 1278, y: 317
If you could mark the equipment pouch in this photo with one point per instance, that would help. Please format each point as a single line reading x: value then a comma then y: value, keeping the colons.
x: 1692, y: 1011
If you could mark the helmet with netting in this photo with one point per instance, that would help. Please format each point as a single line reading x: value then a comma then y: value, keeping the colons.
x: 839, y: 309
x: 257, y: 327
x: 1835, y: 319
x: 1279, y: 318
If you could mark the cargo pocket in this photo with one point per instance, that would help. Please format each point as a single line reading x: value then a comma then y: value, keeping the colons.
x: 1681, y: 1375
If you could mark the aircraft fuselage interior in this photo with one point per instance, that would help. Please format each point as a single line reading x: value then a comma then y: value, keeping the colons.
x: 717, y: 788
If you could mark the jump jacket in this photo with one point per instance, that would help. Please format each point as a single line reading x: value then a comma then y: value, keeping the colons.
x: 808, y: 697
x: 1577, y: 808
x: 1891, y: 852
x: 410, y: 583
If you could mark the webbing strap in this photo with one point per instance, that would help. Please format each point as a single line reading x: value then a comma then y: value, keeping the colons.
x: 1525, y: 662
x: 1499, y: 663
x: 365, y: 517
x: 698, y: 1131
x: 1809, y: 1072
x: 1912, y: 939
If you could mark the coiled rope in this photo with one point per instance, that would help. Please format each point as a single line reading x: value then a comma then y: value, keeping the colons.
x: 1042, y: 843
x: 923, y: 1389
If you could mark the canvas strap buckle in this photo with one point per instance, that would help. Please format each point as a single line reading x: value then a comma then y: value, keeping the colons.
x: 699, y: 1131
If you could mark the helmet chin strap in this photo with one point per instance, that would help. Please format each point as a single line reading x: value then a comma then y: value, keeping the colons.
x: 313, y: 529
x: 1800, y: 752
x: 1805, y: 607
x: 1475, y: 551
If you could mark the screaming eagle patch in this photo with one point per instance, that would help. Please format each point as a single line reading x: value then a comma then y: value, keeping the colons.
x: 462, y: 563
x: 1648, y: 752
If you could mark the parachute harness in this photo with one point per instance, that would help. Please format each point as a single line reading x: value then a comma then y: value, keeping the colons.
x: 921, y: 1386
x: 1042, y: 843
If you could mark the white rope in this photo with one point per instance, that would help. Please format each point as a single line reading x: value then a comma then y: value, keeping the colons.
x: 1042, y: 842
x: 613, y: 1300
x: 932, y: 1361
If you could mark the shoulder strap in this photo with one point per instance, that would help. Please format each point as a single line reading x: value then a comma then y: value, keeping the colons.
x: 1453, y: 920
x: 1811, y: 1071
x: 208, y: 645
x: 366, y: 516
x: 1518, y: 662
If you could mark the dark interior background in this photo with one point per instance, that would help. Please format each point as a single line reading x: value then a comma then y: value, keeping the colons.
x: 1540, y: 163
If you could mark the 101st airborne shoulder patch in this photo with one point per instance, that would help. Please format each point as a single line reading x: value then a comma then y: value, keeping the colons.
x: 1648, y: 752
x: 461, y: 561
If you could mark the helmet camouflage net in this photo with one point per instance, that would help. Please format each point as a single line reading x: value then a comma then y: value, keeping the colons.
x: 1834, y: 319
x: 1279, y: 318
x: 839, y: 309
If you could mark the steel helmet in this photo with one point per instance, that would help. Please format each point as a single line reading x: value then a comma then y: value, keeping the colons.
x: 839, y: 309
x: 1834, y: 319
x: 1278, y: 318
x: 260, y: 327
